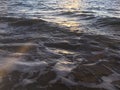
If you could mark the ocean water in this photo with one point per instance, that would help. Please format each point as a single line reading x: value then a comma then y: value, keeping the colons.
x: 59, y: 44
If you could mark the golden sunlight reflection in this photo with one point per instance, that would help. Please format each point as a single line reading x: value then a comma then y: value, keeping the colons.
x: 61, y: 51
x: 70, y: 5
x: 10, y: 59
x: 70, y: 23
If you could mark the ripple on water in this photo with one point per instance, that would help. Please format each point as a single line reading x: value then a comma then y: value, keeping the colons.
x: 37, y: 55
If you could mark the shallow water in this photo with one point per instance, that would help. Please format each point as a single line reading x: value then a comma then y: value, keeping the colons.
x: 58, y: 44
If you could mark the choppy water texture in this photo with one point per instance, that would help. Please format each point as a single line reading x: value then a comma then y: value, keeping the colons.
x: 59, y: 44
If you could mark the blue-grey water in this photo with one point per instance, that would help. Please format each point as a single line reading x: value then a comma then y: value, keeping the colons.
x: 59, y: 44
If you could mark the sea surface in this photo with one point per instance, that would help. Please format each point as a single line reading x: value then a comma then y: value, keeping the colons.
x: 59, y: 44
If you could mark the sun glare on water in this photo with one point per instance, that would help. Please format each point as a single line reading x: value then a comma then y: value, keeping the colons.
x: 69, y: 6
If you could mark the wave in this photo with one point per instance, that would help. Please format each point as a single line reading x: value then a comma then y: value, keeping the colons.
x: 41, y: 54
x: 108, y: 21
x: 44, y: 55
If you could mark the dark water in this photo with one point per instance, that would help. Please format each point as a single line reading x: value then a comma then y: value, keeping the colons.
x: 59, y: 45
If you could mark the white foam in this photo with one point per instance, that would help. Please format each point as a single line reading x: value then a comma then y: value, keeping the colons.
x: 27, y: 81
x: 38, y: 63
x: 19, y: 44
x: 68, y: 82
x: 30, y: 66
x: 64, y: 67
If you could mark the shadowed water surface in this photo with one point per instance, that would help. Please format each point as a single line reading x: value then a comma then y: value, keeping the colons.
x: 57, y: 44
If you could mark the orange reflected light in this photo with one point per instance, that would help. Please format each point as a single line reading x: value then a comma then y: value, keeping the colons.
x: 10, y: 59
